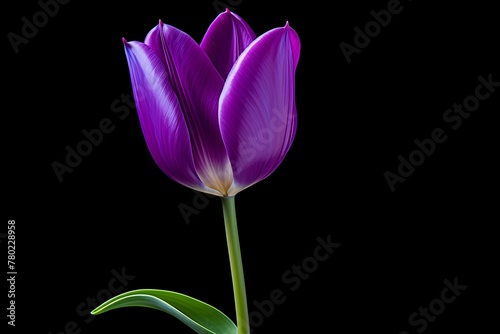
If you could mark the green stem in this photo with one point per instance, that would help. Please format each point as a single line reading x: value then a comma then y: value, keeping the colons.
x: 233, y: 245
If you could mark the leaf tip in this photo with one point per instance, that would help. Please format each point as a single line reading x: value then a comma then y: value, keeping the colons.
x: 96, y: 311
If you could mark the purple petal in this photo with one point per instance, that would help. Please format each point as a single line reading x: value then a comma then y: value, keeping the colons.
x: 257, y: 106
x: 197, y: 85
x: 160, y: 116
x: 225, y: 40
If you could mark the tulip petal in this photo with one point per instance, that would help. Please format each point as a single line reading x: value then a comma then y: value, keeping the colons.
x: 257, y: 112
x: 197, y: 85
x: 160, y: 116
x: 225, y: 40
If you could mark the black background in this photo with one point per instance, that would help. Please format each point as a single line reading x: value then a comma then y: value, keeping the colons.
x: 117, y: 210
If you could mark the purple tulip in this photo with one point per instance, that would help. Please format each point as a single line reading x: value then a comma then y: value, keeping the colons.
x: 218, y: 116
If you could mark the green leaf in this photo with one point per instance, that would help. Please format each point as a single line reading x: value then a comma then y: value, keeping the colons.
x: 199, y: 316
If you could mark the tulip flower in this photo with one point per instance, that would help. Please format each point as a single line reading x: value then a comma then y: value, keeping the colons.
x: 217, y: 117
